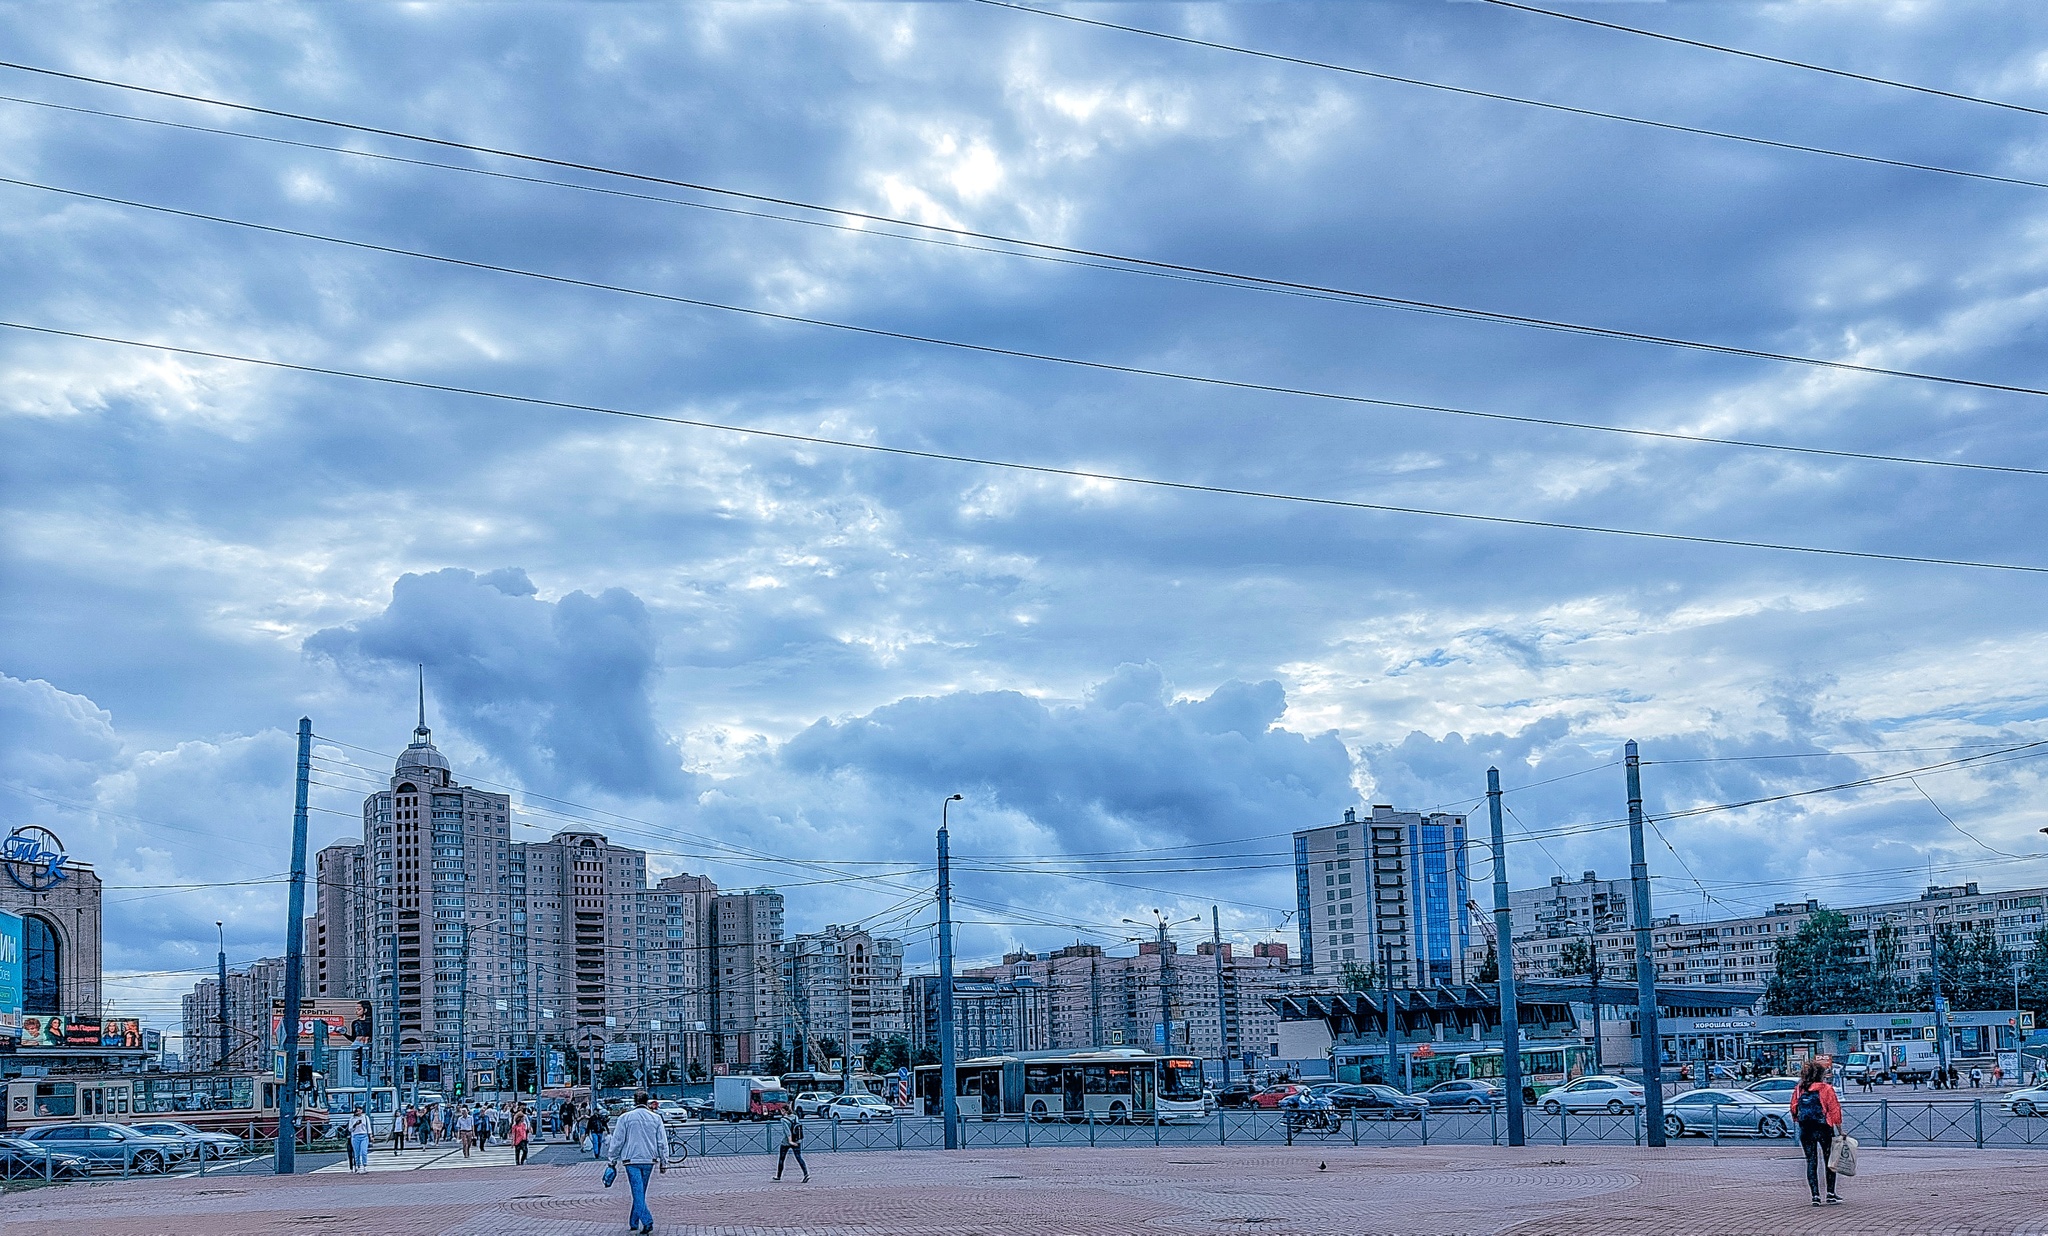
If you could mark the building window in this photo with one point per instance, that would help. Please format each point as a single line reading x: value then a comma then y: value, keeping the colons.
x: 40, y: 966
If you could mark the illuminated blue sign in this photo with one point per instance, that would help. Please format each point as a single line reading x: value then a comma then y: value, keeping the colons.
x: 10, y: 973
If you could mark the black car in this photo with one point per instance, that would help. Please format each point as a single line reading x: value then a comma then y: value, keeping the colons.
x: 1236, y: 1094
x: 1371, y: 1101
x: 24, y: 1160
x: 1466, y: 1095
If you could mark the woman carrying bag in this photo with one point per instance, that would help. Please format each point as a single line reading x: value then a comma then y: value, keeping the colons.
x: 1819, y: 1113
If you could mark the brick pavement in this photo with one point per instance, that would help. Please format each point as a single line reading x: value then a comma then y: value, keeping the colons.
x: 1306, y: 1191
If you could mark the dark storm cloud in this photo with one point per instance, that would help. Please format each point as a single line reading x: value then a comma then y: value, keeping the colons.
x: 556, y: 690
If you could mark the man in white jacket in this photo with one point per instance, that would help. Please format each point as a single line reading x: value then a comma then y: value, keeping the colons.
x: 640, y: 1141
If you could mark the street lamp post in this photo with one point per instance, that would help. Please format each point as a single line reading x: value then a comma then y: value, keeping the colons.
x: 948, y: 1085
x: 1161, y: 924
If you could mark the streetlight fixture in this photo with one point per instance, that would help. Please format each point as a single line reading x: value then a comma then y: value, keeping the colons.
x: 1161, y: 924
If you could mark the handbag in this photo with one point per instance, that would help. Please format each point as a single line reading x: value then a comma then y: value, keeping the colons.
x: 611, y: 1173
x: 1842, y: 1161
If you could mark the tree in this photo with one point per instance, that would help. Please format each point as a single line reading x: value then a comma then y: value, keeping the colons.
x: 1887, y: 956
x: 1976, y: 971
x: 887, y: 1053
x: 927, y: 1054
x: 1489, y: 969
x: 1819, y: 971
x: 828, y: 1047
x: 2034, y: 990
x: 778, y: 1059
x: 618, y: 1073
x: 1576, y: 957
x: 697, y: 1073
x: 1359, y: 976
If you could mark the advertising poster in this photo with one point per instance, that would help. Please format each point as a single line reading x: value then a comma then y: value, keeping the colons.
x: 349, y: 1022
x: 124, y: 1032
x: 38, y: 1030
x: 82, y: 1033
x: 10, y: 974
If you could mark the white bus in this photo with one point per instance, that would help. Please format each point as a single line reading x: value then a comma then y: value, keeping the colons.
x: 1114, y: 1085
x: 380, y: 1101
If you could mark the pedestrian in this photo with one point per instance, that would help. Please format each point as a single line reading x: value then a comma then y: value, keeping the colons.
x: 598, y: 1124
x: 641, y: 1144
x: 1997, y: 1076
x: 567, y: 1115
x: 440, y: 1124
x: 401, y: 1124
x: 480, y: 1124
x: 1976, y: 1077
x: 1819, y: 1113
x: 520, y: 1132
x: 792, y: 1144
x: 359, y: 1141
x: 465, y: 1130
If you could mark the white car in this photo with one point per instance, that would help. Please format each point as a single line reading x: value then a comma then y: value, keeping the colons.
x: 813, y: 1102
x: 2032, y: 1101
x: 671, y: 1111
x: 1597, y: 1093
x: 861, y: 1107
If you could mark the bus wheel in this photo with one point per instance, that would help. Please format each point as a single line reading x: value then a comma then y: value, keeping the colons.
x: 1118, y: 1114
x: 1038, y: 1110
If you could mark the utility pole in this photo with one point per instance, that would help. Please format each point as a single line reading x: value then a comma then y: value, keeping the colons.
x: 397, y: 1066
x: 1646, y: 965
x: 1940, y: 1004
x: 1222, y: 1017
x: 949, y: 1099
x: 1504, y: 957
x: 294, y: 961
x: 223, y: 960
x: 1393, y: 1027
x: 462, y: 1016
x: 1593, y: 962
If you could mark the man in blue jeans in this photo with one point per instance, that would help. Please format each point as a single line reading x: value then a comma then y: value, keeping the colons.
x: 640, y: 1143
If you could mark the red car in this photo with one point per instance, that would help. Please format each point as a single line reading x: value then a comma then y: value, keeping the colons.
x: 1272, y: 1096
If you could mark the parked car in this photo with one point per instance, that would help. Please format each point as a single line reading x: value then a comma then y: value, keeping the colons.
x: 672, y: 1111
x: 1779, y: 1088
x: 1371, y: 1101
x: 1595, y: 1093
x: 2032, y: 1101
x: 813, y: 1102
x: 1737, y: 1113
x: 1471, y: 1095
x: 1270, y: 1098
x: 111, y: 1147
x: 1236, y: 1094
x: 861, y: 1107
x: 24, y: 1160
x: 218, y: 1145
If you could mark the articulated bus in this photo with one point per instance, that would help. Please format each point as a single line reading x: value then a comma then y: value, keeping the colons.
x: 1544, y: 1067
x: 1114, y: 1084
x: 835, y: 1083
x: 223, y: 1102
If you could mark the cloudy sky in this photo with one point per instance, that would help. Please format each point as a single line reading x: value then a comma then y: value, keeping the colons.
x: 770, y: 660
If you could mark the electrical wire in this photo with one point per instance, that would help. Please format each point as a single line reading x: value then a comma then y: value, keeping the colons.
x: 1664, y: 126
x: 1039, y: 469
x: 1390, y: 301
x: 1267, y: 388
x: 1770, y: 59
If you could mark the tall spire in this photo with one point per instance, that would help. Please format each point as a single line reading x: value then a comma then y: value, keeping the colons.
x: 422, y: 735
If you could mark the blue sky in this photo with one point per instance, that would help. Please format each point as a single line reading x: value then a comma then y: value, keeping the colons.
x: 799, y: 650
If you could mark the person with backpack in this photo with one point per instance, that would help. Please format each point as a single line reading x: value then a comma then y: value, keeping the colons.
x: 1819, y: 1113
x: 793, y: 1144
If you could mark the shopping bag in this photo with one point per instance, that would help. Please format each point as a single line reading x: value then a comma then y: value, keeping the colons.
x: 1842, y: 1160
x: 611, y: 1173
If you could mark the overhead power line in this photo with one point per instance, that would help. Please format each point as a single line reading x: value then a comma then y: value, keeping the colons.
x: 1786, y: 61
x: 1666, y: 126
x: 1500, y: 317
x: 1267, y: 388
x: 1083, y: 474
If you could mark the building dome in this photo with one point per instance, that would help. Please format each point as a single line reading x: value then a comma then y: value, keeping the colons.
x: 421, y: 754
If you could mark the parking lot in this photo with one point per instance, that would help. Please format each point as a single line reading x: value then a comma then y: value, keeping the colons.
x: 1423, y: 1191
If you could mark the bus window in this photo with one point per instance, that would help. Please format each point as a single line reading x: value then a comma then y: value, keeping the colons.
x: 1180, y: 1080
x: 1041, y: 1079
x: 1095, y: 1080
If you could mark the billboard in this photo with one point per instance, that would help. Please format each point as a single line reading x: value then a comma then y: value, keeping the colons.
x: 10, y: 974
x: 40, y: 1030
x: 124, y: 1032
x: 349, y: 1022
x: 82, y: 1033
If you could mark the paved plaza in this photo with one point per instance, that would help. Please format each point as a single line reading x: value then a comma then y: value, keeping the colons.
x: 1426, y: 1191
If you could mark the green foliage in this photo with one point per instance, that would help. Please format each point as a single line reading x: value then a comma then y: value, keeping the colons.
x: 1359, y: 976
x: 619, y: 1073
x: 1976, y: 971
x: 888, y: 1053
x: 1576, y: 957
x: 1489, y: 969
x: 827, y: 1048
x: 697, y: 1073
x: 2034, y: 986
x: 1820, y: 972
x: 778, y: 1059
x: 927, y: 1054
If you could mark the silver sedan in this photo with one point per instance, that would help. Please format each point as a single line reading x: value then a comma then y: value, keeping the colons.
x: 1735, y: 1113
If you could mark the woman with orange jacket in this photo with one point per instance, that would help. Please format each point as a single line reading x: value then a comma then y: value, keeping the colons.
x: 1819, y: 1113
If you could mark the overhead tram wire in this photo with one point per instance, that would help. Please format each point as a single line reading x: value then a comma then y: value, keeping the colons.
x: 1255, y: 387
x: 1666, y: 126
x: 904, y: 452
x: 1766, y: 58
x: 1183, y: 268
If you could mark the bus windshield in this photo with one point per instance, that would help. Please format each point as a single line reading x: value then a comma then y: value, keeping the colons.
x: 1180, y: 1080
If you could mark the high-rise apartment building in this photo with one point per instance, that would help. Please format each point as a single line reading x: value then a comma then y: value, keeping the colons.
x: 252, y: 990
x: 747, y: 1006
x: 846, y: 984
x: 440, y: 858
x: 1388, y: 892
x: 337, y: 939
x: 586, y: 931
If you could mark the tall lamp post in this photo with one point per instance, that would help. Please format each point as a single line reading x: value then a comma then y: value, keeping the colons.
x: 949, y: 1099
x: 1161, y: 924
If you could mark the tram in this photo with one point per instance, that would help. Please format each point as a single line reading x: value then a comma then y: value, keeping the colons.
x: 241, y: 1103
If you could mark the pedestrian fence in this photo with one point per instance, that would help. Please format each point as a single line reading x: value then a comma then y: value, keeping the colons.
x: 1886, y: 1123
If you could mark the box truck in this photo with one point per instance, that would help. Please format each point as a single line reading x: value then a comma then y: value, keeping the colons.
x: 749, y: 1098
